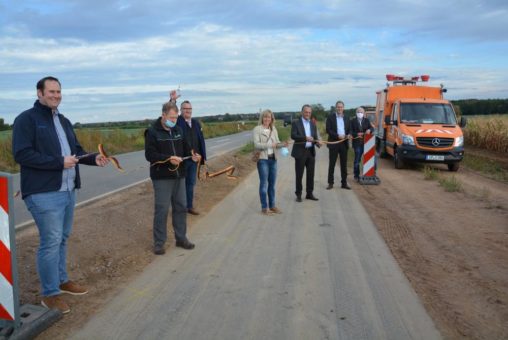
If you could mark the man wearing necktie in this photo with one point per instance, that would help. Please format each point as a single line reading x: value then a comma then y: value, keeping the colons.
x: 304, y: 133
x: 337, y: 128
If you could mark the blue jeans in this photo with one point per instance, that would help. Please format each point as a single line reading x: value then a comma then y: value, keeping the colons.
x: 358, y: 158
x: 267, y: 169
x: 191, y: 168
x: 53, y: 212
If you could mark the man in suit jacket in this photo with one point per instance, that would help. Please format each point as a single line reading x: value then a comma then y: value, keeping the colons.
x: 359, y: 126
x: 196, y: 141
x: 337, y: 128
x: 304, y: 133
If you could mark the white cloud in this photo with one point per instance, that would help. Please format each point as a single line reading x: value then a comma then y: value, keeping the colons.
x: 239, y: 61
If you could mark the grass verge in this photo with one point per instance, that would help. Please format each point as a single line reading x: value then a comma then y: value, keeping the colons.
x: 429, y: 173
x: 450, y: 184
x: 486, y: 166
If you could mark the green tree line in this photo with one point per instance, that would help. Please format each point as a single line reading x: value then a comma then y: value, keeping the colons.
x: 469, y: 107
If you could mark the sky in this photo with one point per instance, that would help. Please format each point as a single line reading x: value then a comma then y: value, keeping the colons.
x: 118, y: 59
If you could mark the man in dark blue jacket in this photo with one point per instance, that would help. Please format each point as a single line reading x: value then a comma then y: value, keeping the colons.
x: 46, y: 148
x: 194, y: 136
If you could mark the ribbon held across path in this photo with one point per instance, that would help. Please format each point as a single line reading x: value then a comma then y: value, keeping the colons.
x: 229, y: 170
x: 103, y: 153
x: 113, y: 160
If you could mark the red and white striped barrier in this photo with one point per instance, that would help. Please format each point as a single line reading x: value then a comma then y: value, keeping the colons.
x: 369, y: 161
x: 8, y: 304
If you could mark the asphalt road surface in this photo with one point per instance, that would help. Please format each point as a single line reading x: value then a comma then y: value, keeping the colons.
x: 320, y: 270
x: 98, y: 182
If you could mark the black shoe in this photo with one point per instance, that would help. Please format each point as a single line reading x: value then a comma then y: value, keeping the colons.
x: 159, y: 250
x: 345, y: 186
x: 298, y: 198
x: 311, y: 197
x: 185, y: 244
x: 330, y: 186
x: 192, y: 211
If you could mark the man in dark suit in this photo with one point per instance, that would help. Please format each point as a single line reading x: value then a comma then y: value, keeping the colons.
x: 193, y: 134
x: 304, y: 133
x: 359, y: 126
x: 337, y: 128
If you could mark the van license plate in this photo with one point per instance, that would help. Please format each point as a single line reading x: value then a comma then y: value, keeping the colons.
x: 435, y: 158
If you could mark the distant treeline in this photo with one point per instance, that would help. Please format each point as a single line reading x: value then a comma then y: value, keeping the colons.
x: 462, y: 107
x: 468, y: 107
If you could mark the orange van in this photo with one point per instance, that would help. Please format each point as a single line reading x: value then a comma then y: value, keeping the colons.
x: 414, y: 123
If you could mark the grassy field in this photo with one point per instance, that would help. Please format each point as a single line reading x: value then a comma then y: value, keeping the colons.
x: 487, y: 132
x: 283, y: 132
x: 218, y: 129
x: 5, y: 134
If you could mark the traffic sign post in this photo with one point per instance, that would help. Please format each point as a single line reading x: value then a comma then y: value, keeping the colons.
x: 369, y: 161
x: 16, y: 322
x: 9, y: 297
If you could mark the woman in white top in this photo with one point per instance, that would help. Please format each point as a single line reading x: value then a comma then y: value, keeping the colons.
x: 266, y: 140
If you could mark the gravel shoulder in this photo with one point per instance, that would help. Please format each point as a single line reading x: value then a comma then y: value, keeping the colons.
x: 452, y: 246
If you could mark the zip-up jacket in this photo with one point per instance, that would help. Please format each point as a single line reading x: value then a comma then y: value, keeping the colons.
x: 160, y: 144
x: 35, y: 146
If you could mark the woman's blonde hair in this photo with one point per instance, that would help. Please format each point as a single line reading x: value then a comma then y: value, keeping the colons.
x: 267, y: 113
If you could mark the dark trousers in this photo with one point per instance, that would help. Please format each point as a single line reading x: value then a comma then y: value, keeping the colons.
x: 191, y: 169
x: 306, y: 162
x: 338, y: 151
x: 169, y: 192
x: 358, y: 158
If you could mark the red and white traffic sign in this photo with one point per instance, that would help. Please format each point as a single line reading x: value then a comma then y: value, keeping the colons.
x: 369, y: 161
x: 6, y: 265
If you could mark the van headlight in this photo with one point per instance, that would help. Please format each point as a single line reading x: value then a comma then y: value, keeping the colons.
x: 459, y: 141
x: 407, y: 140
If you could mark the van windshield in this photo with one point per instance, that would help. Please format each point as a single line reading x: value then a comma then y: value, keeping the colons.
x: 423, y: 113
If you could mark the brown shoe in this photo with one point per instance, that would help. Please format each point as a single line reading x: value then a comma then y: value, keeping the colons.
x: 56, y: 302
x: 192, y: 211
x: 276, y: 210
x: 73, y: 288
x: 266, y: 212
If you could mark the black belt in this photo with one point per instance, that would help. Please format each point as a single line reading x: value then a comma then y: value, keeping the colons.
x: 272, y: 156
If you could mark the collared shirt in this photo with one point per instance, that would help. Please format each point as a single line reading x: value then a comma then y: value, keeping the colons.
x: 308, y: 132
x: 341, y: 130
x: 189, y: 122
x: 68, y: 175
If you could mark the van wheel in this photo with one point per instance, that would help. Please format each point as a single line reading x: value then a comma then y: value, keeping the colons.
x: 453, y: 166
x: 399, y: 163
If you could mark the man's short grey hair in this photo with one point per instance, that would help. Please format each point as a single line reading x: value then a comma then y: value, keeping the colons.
x: 360, y: 108
x: 340, y: 102
x: 166, y: 107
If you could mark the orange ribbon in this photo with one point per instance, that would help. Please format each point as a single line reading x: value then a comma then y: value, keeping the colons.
x: 229, y: 170
x: 113, y: 160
